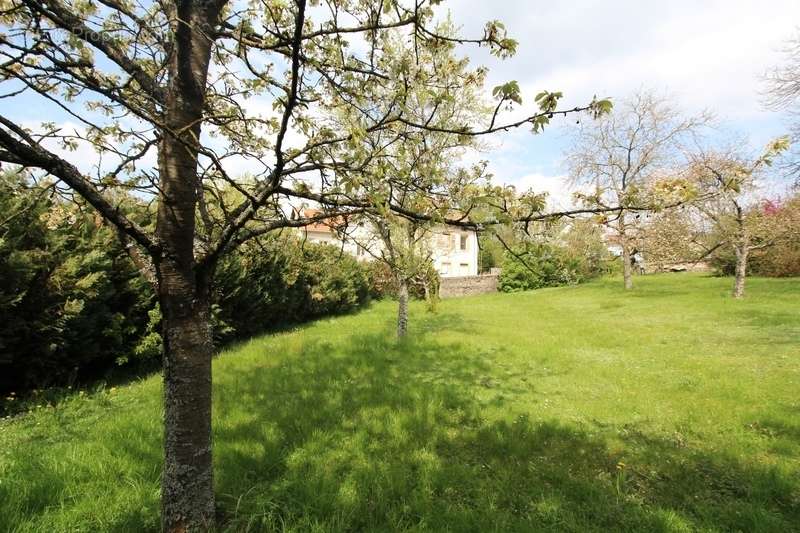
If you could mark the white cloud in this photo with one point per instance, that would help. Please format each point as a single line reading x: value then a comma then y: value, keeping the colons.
x: 557, y: 187
x: 710, y: 55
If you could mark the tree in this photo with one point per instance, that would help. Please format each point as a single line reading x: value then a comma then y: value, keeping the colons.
x: 672, y: 237
x: 200, y: 87
x: 625, y: 157
x: 730, y: 179
x: 419, y: 175
x: 424, y: 184
x: 490, y: 252
x: 418, y: 180
x: 406, y: 252
x: 583, y: 242
x: 783, y: 258
x: 782, y: 93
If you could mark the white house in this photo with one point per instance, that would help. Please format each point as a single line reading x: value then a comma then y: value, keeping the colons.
x: 454, y: 250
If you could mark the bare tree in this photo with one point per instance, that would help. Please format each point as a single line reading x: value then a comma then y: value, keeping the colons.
x: 201, y: 87
x: 622, y: 156
x: 782, y: 93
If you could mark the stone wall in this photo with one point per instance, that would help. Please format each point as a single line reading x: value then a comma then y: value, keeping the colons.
x: 467, y: 285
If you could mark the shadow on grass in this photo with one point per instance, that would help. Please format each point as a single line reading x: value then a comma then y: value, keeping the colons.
x: 367, y: 434
x: 105, y: 374
x: 372, y: 435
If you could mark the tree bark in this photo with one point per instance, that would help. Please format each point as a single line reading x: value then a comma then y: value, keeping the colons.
x: 187, y: 490
x: 402, y: 307
x: 741, y: 247
x: 627, y: 276
x: 741, y: 271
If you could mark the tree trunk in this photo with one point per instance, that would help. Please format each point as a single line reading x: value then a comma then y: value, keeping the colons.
x: 187, y: 490
x: 627, y: 276
x: 402, y: 307
x: 741, y: 271
x: 741, y: 246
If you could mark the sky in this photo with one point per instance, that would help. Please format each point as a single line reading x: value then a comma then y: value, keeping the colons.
x: 705, y: 54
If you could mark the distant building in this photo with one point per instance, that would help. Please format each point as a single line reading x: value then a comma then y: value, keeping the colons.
x: 454, y: 250
x: 612, y: 242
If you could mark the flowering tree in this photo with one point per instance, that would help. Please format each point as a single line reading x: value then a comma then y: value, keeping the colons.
x: 729, y: 179
x: 172, y: 95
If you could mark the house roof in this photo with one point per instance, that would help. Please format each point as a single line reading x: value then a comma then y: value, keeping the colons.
x: 329, y: 225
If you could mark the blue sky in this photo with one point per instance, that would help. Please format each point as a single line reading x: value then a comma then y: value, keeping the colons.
x: 705, y: 54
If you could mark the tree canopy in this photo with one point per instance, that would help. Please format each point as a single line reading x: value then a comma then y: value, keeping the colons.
x: 170, y: 98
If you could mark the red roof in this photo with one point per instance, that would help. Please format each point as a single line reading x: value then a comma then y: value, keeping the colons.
x: 328, y: 225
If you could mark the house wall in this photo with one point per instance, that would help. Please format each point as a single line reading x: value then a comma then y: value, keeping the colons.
x: 326, y: 237
x: 450, y: 258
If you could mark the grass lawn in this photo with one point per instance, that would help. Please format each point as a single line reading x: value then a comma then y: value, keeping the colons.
x: 669, y: 408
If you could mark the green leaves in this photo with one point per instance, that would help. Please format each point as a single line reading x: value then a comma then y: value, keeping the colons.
x: 548, y: 101
x: 602, y: 107
x: 671, y: 190
x: 81, y: 302
x: 775, y: 148
x: 531, y: 201
x: 498, y: 41
x: 508, y: 91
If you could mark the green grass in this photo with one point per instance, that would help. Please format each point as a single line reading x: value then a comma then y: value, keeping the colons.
x: 669, y: 408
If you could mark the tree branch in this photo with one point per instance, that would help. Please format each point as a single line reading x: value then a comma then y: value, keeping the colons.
x: 31, y: 154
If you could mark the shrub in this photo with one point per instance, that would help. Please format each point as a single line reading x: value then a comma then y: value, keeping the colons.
x: 335, y: 281
x: 282, y: 280
x: 584, y: 246
x: 491, y: 252
x: 382, y: 283
x: 536, y: 265
x: 779, y: 260
x: 73, y: 306
x: 70, y: 301
x: 779, y: 232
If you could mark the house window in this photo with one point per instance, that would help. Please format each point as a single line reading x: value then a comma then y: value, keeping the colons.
x: 463, y: 241
x: 444, y: 240
x: 445, y: 268
x: 359, y: 250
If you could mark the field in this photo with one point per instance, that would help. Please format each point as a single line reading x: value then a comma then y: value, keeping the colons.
x: 669, y: 408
